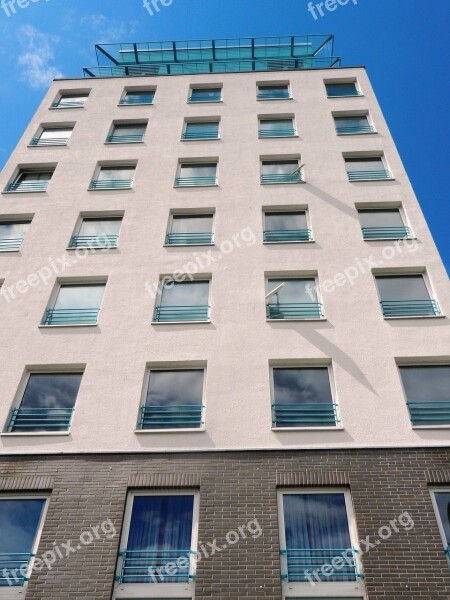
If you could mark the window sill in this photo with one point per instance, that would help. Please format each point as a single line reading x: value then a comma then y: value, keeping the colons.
x: 35, y: 434
x: 414, y: 317
x: 390, y: 239
x: 291, y: 242
x: 283, y: 182
x: 361, y: 133
x: 136, y: 104
x: 205, y: 101
x: 217, y: 139
x: 109, y: 189
x: 190, y: 187
x: 443, y: 426
x: 182, y: 322
x: 123, y: 143
x: 90, y: 248
x: 9, y: 251
x: 68, y: 326
x: 24, y: 192
x: 278, y: 137
x: 65, y: 107
x: 190, y: 430
x: 47, y: 145
x: 323, y: 428
x: 274, y: 99
x: 186, y: 245
x: 295, y: 320
x: 371, y: 180
x: 350, y: 96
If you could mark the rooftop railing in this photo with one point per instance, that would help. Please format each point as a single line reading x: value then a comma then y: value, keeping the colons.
x: 287, y: 235
x: 14, y: 568
x: 195, y: 181
x: 71, y: 316
x: 28, y: 186
x: 430, y: 412
x: 295, y: 310
x: 11, y: 244
x: 379, y: 233
x: 300, y: 562
x: 167, y: 314
x: 410, y: 308
x: 93, y: 241
x: 148, y: 566
x: 379, y: 175
x: 174, y: 239
x: 111, y: 184
x: 310, y: 414
x: 42, y: 419
x: 180, y: 416
x: 282, y: 178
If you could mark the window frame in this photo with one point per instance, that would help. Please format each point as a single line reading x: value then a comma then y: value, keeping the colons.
x: 277, y: 117
x: 169, y: 279
x: 70, y: 93
x: 117, y: 215
x: 26, y: 170
x: 130, y: 591
x: 433, y: 490
x: 279, y: 160
x: 274, y: 84
x: 121, y: 123
x: 26, y: 218
x: 405, y: 273
x: 288, y: 209
x: 355, y: 80
x: 196, y: 162
x: 379, y: 206
x: 52, y: 127
x: 206, y: 87
x: 215, y: 120
x: 279, y: 275
x: 191, y: 213
x: 79, y: 282
x: 134, y: 90
x: 349, y: 114
x: 101, y: 166
x: 371, y: 155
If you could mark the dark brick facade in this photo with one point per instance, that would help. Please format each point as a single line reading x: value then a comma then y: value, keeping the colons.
x: 234, y: 488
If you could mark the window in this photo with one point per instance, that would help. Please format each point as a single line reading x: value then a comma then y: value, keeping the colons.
x: 273, y: 92
x: 110, y: 178
x: 197, y: 175
x: 182, y: 301
x: 53, y: 136
x: 317, y: 527
x: 292, y: 298
x: 31, y: 181
x: 201, y: 130
x: 47, y: 403
x: 286, y: 226
x: 383, y: 224
x: 12, y: 234
x: 21, y: 519
x: 367, y: 169
x: 159, y: 531
x: 302, y: 397
x: 97, y: 232
x: 200, y: 94
x: 281, y: 171
x: 174, y: 400
x: 269, y: 128
x: 135, y: 97
x: 441, y: 502
x: 405, y: 296
x: 75, y: 304
x: 127, y: 133
x: 71, y: 100
x: 190, y: 229
x: 355, y: 124
x: 427, y: 389
x: 342, y: 89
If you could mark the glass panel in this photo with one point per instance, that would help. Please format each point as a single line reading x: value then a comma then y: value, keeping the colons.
x: 191, y: 224
x: 295, y: 290
x: 364, y: 164
x: 206, y: 94
x: 276, y: 124
x: 116, y: 173
x: 13, y: 229
x: 443, y: 504
x: 386, y: 217
x: 100, y: 227
x: 130, y: 129
x: 341, y: 89
x: 273, y: 89
x: 302, y: 385
x: 78, y: 98
x: 426, y: 383
x: 56, y: 134
x: 199, y: 127
x: 197, y: 170
x: 35, y: 176
x: 352, y: 121
x: 19, y: 522
x: 405, y: 287
x: 192, y: 293
x: 285, y: 167
x: 285, y: 220
x: 80, y: 296
x: 139, y: 97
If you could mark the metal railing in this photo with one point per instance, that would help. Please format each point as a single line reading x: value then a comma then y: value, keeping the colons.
x: 410, y: 308
x: 180, y: 416
x: 131, y: 100
x: 274, y: 95
x: 376, y: 233
x: 28, y: 186
x: 71, y: 316
x: 195, y: 181
x: 174, y: 239
x: 13, y: 565
x: 50, y: 141
x: 11, y: 244
x: 299, y: 562
x: 94, y: 241
x: 287, y: 235
x: 126, y: 139
x: 167, y: 314
x: 205, y: 98
x: 282, y: 178
x: 380, y: 175
x: 346, y: 95
x: 270, y: 133
x: 111, y: 184
x: 295, y: 310
x: 430, y: 412
x: 341, y: 130
x: 42, y: 419
x: 148, y: 566
x: 310, y: 414
x: 204, y: 134
x: 72, y: 104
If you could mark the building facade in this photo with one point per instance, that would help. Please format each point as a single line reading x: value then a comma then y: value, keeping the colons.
x: 225, y: 349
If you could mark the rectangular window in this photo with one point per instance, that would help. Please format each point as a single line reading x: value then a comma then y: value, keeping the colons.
x: 317, y: 527
x: 47, y: 404
x: 269, y: 128
x: 383, y: 224
x: 71, y: 100
x: 405, y: 296
x: 292, y: 298
x: 21, y: 519
x: 351, y: 125
x: 212, y: 94
x: 197, y: 175
x: 30, y: 181
x: 53, y: 136
x: 281, y: 171
x: 273, y: 92
x: 97, y: 232
x: 138, y: 97
x: 302, y: 397
x: 159, y: 544
x: 286, y: 226
x: 183, y: 301
x: 190, y: 229
x: 174, y: 400
x: 110, y: 178
x: 339, y: 90
x: 441, y: 502
x: 367, y: 169
x: 201, y: 130
x: 12, y: 234
x: 75, y: 304
x: 127, y: 133
x: 427, y: 392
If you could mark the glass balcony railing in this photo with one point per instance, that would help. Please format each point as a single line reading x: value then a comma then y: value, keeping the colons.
x: 287, y: 235
x: 71, y: 316
x: 42, y: 419
x: 274, y: 95
x: 302, y: 561
x: 14, y: 568
x: 380, y: 233
x: 168, y: 314
x: 204, y: 134
x: 195, y: 181
x: 379, y: 175
x: 10, y: 244
x: 148, y: 566
x: 92, y: 241
x: 50, y: 142
x: 125, y: 139
x: 313, y: 414
x: 355, y: 129
x: 182, y: 239
x: 410, y: 308
x: 180, y: 416
x: 273, y: 133
x: 28, y: 186
x: 295, y: 310
x: 435, y: 412
x: 282, y: 178
x: 111, y: 184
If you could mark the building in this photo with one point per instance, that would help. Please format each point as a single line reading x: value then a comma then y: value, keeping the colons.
x: 225, y: 358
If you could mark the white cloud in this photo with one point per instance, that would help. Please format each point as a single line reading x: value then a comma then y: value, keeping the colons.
x: 109, y: 30
x: 36, y: 57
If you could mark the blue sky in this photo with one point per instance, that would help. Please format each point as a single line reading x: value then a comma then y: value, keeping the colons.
x: 401, y: 42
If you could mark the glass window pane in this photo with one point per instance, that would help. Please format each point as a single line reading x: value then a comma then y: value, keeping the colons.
x: 364, y: 164
x: 13, y: 229
x: 352, y: 121
x: 74, y: 98
x: 266, y: 89
x: 386, y: 217
x: 116, y: 173
x: 131, y: 129
x: 19, y: 522
x: 199, y: 127
x: 295, y: 290
x: 140, y: 97
x: 426, y: 383
x: 276, y: 124
x: 35, y: 176
x: 192, y: 293
x: 51, y: 390
x: 169, y: 388
x: 285, y: 167
x: 285, y: 220
x: 302, y: 385
x: 191, y: 224
x: 443, y: 504
x: 80, y: 296
x: 405, y: 287
x: 197, y: 170
x: 56, y: 134
x: 210, y: 93
x: 341, y: 89
x: 100, y: 227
